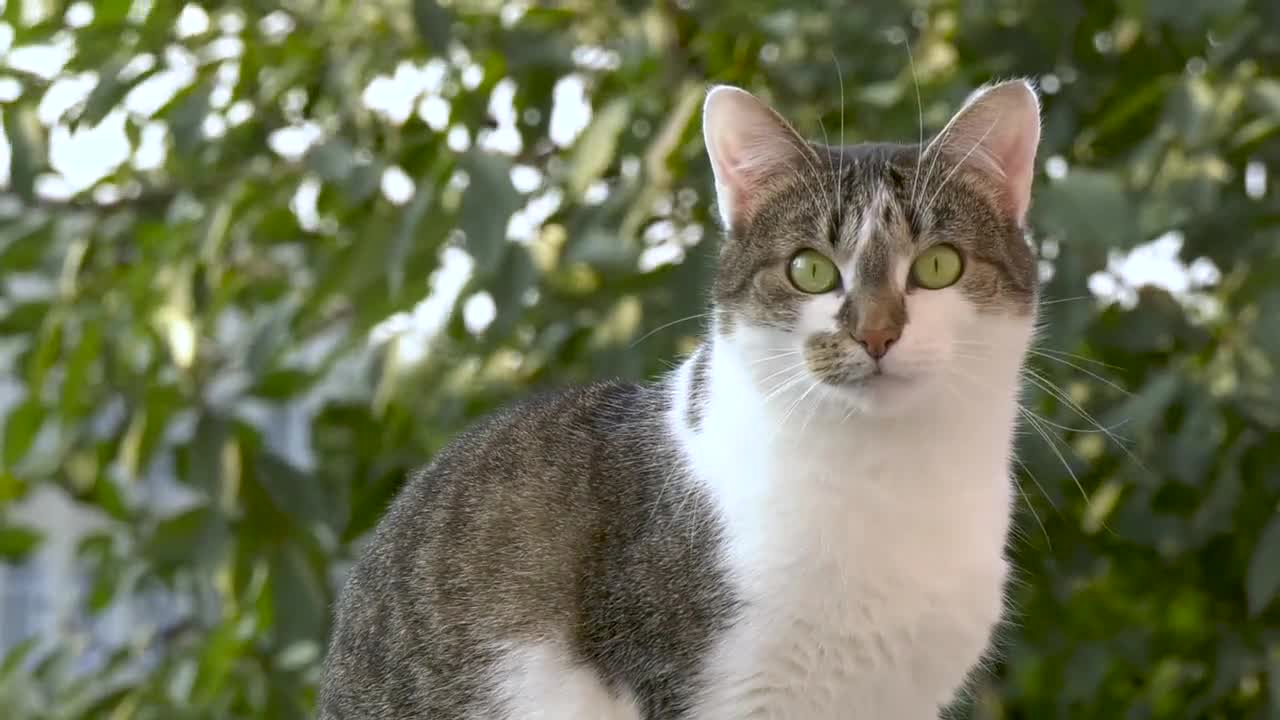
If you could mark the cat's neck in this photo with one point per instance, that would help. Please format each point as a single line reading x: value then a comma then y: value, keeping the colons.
x: 725, y: 420
x: 789, y: 481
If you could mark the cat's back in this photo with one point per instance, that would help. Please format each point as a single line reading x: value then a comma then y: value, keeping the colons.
x: 539, y: 530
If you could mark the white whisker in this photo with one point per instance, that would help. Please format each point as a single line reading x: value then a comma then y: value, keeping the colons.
x: 915, y: 79
x: 660, y: 328
x: 786, y: 416
x: 1031, y: 418
x: 780, y: 355
x: 785, y: 385
x: 1081, y: 358
x: 1050, y: 387
x: 792, y: 366
x: 1077, y: 298
x: 1070, y: 364
x: 840, y: 176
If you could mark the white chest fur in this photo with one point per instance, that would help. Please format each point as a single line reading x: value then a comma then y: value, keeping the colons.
x: 868, y: 552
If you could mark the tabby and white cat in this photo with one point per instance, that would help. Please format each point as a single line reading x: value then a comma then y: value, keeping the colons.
x: 806, y: 520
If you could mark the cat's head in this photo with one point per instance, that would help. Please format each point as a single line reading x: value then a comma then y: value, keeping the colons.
x: 876, y: 275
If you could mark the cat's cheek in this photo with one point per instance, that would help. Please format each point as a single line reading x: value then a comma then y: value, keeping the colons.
x: 819, y: 314
x: 936, y: 318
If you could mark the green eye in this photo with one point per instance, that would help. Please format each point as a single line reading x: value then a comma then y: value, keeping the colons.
x: 810, y: 271
x: 937, y: 267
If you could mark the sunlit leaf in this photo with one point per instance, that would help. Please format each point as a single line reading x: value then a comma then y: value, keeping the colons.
x: 595, y: 149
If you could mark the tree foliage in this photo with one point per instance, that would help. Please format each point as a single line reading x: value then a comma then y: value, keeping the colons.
x: 350, y: 228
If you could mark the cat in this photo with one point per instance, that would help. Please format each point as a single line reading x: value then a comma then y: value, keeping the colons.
x: 806, y: 520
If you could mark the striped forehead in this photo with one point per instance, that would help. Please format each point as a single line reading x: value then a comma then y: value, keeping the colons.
x: 874, y: 235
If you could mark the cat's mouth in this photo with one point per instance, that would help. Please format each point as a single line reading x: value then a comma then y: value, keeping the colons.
x: 878, y: 377
x: 860, y: 374
x: 887, y: 391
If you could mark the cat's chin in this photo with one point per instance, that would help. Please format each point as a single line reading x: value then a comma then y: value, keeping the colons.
x: 882, y: 394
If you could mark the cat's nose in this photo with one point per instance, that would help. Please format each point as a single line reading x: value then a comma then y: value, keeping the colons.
x: 877, y: 342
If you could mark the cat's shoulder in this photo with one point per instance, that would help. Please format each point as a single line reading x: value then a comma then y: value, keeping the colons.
x: 558, y: 413
x: 528, y: 438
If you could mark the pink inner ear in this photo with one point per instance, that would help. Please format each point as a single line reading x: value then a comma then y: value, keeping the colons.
x: 749, y: 144
x: 998, y: 132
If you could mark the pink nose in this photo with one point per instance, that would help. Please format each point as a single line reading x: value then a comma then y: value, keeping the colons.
x: 877, y: 342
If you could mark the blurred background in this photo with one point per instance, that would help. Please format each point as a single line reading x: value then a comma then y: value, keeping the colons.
x: 260, y: 259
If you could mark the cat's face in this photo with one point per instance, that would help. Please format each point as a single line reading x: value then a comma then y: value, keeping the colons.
x: 875, y: 276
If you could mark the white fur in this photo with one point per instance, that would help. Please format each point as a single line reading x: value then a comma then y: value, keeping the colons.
x: 540, y: 682
x: 865, y: 533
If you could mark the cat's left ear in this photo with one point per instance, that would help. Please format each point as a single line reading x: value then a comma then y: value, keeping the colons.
x: 750, y: 147
x: 997, y: 131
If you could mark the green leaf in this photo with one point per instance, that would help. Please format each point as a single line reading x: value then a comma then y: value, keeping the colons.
x: 27, y: 153
x: 110, y: 11
x: 186, y: 119
x: 601, y: 248
x: 299, y: 596
x: 204, y: 457
x: 336, y: 161
x: 11, y: 487
x: 13, y: 13
x: 109, y: 92
x: 1087, y: 208
x: 77, y: 381
x: 20, y: 430
x: 16, y: 542
x: 222, y: 648
x: 16, y: 657
x: 189, y: 539
x: 594, y: 151
x: 406, y: 233
x: 103, y: 591
x: 332, y: 159
x: 487, y: 207
x: 515, y: 276
x: 284, y: 384
x: 1273, y: 677
x: 298, y: 495
x: 271, y: 335
x: 47, y: 349
x: 1143, y: 408
x: 433, y: 23
x: 1263, y: 579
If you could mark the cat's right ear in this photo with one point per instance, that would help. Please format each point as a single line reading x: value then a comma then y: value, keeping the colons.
x: 750, y: 146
